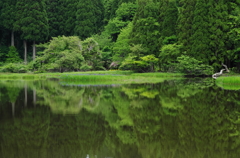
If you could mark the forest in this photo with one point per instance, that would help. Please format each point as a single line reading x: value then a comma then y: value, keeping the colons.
x: 187, y: 36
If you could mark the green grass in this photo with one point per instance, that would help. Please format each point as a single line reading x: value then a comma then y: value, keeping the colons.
x: 56, y: 75
x: 102, y: 76
x: 131, y: 77
x: 158, y: 74
x: 109, y: 82
x: 115, y: 78
x: 229, y: 82
x: 25, y: 76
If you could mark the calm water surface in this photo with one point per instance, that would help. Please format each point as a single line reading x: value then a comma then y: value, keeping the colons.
x: 190, y: 118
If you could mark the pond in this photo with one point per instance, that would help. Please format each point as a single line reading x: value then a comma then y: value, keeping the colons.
x: 181, y: 118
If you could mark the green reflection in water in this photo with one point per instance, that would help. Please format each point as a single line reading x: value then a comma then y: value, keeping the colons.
x: 173, y: 119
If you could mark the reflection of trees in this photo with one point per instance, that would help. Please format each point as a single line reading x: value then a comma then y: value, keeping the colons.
x: 68, y: 100
x: 3, y: 101
x: 75, y: 135
x: 26, y: 135
x: 91, y: 97
x: 170, y: 119
x: 204, y: 126
x: 61, y: 99
x: 200, y: 127
x: 12, y: 93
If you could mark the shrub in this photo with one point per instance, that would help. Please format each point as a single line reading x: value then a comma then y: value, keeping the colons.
x: 142, y: 64
x: 68, y: 54
x: 191, y: 66
x: 12, y: 56
x: 14, y: 68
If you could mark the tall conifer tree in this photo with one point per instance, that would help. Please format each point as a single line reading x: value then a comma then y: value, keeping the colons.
x: 218, y: 28
x: 62, y: 17
x: 201, y: 36
x: 8, y: 16
x: 111, y: 6
x: 185, y: 20
x: 167, y: 18
x: 146, y: 26
x: 31, y: 22
x: 1, y: 24
x: 107, y: 10
x: 89, y: 18
x: 54, y: 13
x: 71, y: 9
x: 170, y: 19
x: 233, y: 44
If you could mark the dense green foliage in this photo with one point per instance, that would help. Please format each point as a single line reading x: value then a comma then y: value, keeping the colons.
x: 89, y: 18
x: 69, y: 54
x: 126, y: 31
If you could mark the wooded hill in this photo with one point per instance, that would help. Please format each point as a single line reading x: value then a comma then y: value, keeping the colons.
x: 142, y: 35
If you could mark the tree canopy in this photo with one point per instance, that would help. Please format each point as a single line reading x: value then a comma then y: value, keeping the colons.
x: 206, y: 30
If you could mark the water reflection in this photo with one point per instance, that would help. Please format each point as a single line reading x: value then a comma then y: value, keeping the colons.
x: 172, y: 119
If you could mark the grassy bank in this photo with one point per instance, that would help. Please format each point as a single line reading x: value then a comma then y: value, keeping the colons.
x: 131, y: 77
x: 55, y: 75
x: 229, y: 82
x: 102, y: 76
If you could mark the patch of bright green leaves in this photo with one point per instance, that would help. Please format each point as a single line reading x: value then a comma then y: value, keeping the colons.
x: 68, y: 54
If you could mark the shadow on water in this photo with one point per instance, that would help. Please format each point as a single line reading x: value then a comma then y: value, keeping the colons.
x: 185, y: 118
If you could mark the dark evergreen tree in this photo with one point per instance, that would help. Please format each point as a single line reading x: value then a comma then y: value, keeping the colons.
x: 233, y: 44
x: 111, y: 6
x: 201, y: 36
x: 89, y: 18
x: 31, y: 22
x: 218, y: 27
x: 126, y: 11
x: 61, y: 17
x: 124, y: 15
x: 99, y: 13
x: 71, y: 9
x: 146, y: 27
x: 4, y: 31
x: 114, y: 7
x: 185, y: 20
x: 1, y: 24
x: 8, y: 16
x: 55, y: 12
x: 107, y: 10
x: 168, y: 16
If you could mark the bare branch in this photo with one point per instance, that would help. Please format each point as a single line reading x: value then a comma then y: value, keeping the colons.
x: 217, y: 74
x: 227, y: 70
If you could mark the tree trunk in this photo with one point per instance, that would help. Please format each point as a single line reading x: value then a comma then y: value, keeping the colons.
x: 34, y: 98
x: 34, y: 50
x: 25, y: 51
x: 12, y: 38
x: 25, y: 90
x: 13, y: 109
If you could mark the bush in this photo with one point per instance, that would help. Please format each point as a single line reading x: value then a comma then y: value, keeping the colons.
x: 12, y: 56
x: 144, y: 64
x: 14, y: 68
x: 191, y: 66
x: 168, y: 55
x: 68, y: 54
x: 131, y: 63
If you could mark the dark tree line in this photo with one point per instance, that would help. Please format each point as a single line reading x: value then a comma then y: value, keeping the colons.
x: 152, y: 34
